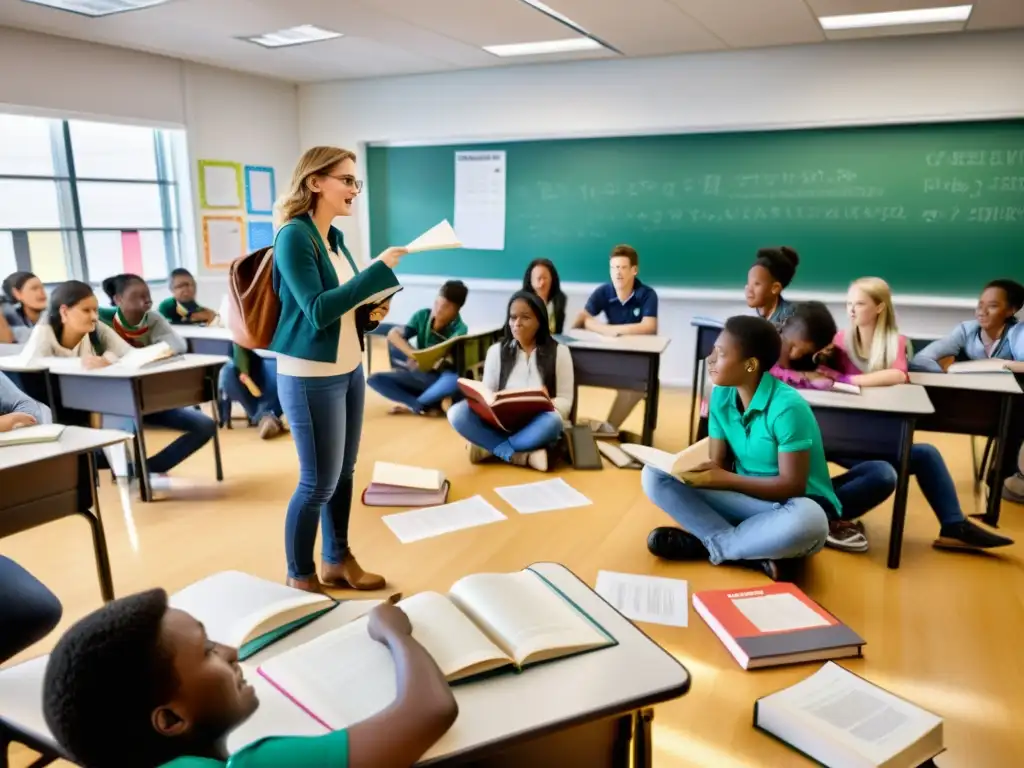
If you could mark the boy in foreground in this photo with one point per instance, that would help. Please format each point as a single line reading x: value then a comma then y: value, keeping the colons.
x: 139, y: 683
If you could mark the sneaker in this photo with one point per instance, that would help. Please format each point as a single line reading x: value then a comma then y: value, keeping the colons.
x: 270, y: 427
x: 534, y: 460
x: 845, y: 536
x: 1013, y: 489
x: 477, y: 455
x: 776, y: 570
x: 967, y: 535
x: 675, y: 544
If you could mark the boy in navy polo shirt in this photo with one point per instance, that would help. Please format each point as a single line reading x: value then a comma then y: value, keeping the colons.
x: 630, y: 308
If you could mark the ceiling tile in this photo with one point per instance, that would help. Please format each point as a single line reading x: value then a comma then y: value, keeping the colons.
x: 639, y: 27
x: 997, y: 14
x: 756, y: 23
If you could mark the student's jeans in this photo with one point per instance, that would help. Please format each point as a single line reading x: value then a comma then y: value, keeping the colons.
x: 417, y: 390
x: 734, y: 526
x: 543, y: 430
x: 869, y: 483
x: 28, y: 610
x: 196, y: 427
x: 325, y: 415
x: 263, y: 372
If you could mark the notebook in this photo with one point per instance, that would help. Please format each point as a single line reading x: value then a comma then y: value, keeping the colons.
x: 36, y: 433
x: 840, y: 719
x: 143, y: 356
x: 486, y: 623
x: 398, y: 485
x: 992, y: 365
x: 774, y: 625
x: 248, y: 612
x: 510, y: 409
x: 429, y: 358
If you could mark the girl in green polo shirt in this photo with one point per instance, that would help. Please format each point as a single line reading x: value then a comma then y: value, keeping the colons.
x: 762, y: 499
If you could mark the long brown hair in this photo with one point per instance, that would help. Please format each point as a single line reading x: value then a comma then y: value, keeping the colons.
x: 299, y: 198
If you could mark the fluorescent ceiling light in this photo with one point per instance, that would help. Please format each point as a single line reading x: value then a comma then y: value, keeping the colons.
x: 897, y: 18
x: 306, y: 33
x: 543, y: 47
x: 97, y: 8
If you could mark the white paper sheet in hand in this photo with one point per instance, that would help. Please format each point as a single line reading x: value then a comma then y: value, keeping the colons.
x: 437, y: 238
x: 545, y: 496
x: 434, y: 521
x: 652, y: 599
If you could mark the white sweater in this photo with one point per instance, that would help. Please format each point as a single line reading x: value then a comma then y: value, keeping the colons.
x: 525, y: 375
x: 43, y: 343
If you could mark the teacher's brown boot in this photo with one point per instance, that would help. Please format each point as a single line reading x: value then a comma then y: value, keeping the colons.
x: 312, y: 584
x: 349, y: 574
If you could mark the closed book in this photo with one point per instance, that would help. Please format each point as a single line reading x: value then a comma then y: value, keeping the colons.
x: 378, y: 495
x: 775, y: 625
x: 35, y: 433
x: 991, y: 365
x: 510, y: 409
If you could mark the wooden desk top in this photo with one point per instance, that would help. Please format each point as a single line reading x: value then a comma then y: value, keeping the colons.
x: 1005, y: 383
x: 72, y: 441
x: 902, y: 398
x: 652, y: 345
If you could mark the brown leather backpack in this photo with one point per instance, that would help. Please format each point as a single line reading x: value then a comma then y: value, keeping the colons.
x: 253, y: 305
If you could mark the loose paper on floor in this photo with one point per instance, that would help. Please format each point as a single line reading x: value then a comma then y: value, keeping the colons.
x: 545, y: 496
x: 435, y: 521
x: 652, y: 599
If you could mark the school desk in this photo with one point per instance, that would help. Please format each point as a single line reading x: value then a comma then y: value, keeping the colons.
x: 8, y: 350
x: 591, y: 710
x: 622, y: 363
x: 136, y: 392
x: 31, y: 377
x: 40, y: 484
x: 206, y: 339
x: 879, y: 421
x: 974, y: 404
x: 706, y: 331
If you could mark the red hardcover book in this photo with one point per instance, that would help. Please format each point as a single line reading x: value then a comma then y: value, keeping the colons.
x: 774, y: 625
x: 509, y: 410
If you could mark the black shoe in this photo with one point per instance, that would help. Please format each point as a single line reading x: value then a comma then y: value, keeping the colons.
x: 776, y: 570
x: 675, y: 544
x: 967, y: 535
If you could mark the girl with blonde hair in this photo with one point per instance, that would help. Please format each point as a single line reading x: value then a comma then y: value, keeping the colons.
x: 319, y: 345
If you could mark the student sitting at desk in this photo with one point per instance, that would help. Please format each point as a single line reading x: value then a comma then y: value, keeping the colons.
x: 773, y: 271
x: 542, y: 278
x: 139, y: 683
x: 765, y: 497
x: 181, y: 307
x: 526, y: 358
x: 630, y: 308
x: 994, y: 333
x: 23, y: 303
x: 413, y: 390
x: 71, y: 329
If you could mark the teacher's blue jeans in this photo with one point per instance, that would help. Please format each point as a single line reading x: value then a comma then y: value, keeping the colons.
x: 28, y: 610
x: 542, y: 431
x: 734, y: 526
x: 325, y: 415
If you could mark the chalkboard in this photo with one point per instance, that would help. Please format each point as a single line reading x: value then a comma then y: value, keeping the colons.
x: 934, y: 209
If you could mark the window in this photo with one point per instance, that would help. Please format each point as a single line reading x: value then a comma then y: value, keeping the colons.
x: 86, y: 200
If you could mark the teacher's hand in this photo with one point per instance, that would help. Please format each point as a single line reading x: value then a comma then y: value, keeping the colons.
x: 392, y: 256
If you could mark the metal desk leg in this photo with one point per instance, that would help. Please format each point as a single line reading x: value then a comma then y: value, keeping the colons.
x: 99, y: 538
x: 212, y: 377
x: 995, y: 493
x: 141, y: 462
x: 651, y: 402
x: 693, y: 386
x: 642, y: 757
x: 899, y: 505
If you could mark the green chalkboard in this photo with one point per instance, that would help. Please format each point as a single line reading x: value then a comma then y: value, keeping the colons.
x: 935, y: 209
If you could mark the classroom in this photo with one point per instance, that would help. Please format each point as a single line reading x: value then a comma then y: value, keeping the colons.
x: 717, y: 437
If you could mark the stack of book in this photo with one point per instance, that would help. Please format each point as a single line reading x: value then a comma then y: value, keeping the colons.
x: 398, y: 485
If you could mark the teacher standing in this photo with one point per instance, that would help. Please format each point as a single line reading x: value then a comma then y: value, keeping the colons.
x: 320, y: 378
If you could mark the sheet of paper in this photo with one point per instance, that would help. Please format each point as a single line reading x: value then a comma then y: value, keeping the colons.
x: 438, y: 237
x: 545, y: 496
x: 435, y: 521
x: 778, y: 613
x: 223, y: 240
x: 480, y: 199
x: 221, y: 185
x: 652, y: 599
x: 260, y: 182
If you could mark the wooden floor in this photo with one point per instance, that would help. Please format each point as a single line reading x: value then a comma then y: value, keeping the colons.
x: 945, y: 630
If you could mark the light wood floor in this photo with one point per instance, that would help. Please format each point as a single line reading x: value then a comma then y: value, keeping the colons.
x: 944, y: 630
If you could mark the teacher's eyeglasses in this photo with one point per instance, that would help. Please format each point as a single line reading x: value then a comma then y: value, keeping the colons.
x: 349, y: 181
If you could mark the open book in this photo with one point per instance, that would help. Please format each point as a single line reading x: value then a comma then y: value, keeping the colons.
x: 438, y: 237
x: 247, y: 612
x: 992, y: 365
x: 398, y: 485
x: 486, y: 622
x: 143, y: 356
x: 429, y: 358
x: 36, y: 433
x: 842, y: 720
x: 673, y: 464
x: 510, y: 409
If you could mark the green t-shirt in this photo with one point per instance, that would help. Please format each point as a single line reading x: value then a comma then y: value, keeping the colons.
x: 327, y: 751
x: 178, y: 313
x: 778, y: 420
x: 420, y: 325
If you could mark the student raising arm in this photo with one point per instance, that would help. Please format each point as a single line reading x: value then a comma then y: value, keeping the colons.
x: 766, y: 504
x: 141, y: 680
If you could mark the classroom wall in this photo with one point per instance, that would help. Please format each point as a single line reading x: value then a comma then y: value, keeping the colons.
x: 930, y: 77
x: 227, y: 115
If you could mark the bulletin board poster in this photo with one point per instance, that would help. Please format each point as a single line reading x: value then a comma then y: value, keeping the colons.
x: 260, y: 190
x: 223, y: 240
x: 220, y: 184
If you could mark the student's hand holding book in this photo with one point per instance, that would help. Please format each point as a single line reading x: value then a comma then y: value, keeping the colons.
x: 94, y: 362
x: 706, y: 475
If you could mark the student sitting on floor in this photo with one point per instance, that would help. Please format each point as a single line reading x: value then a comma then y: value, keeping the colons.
x: 630, y: 308
x: 140, y: 683
x: 994, y: 333
x: 765, y: 497
x: 873, y: 353
x: 71, y: 329
x: 773, y: 271
x: 413, y: 390
x: 527, y: 357
x: 542, y: 278
x: 23, y: 304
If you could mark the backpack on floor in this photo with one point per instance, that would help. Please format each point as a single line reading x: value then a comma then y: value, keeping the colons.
x: 253, y: 305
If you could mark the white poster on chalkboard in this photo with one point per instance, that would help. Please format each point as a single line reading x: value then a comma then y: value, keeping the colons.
x: 480, y: 199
